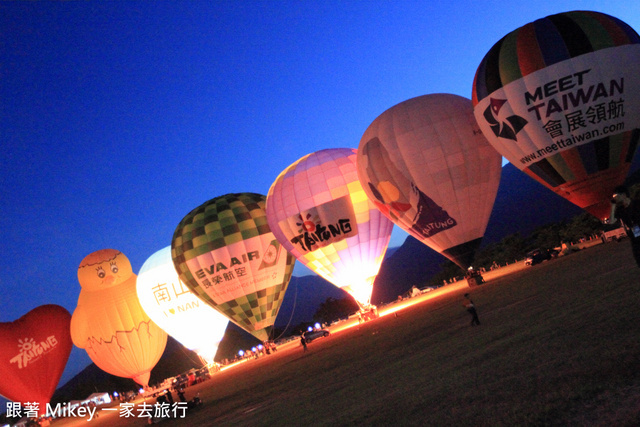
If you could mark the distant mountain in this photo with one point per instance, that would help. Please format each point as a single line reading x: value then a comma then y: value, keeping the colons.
x: 521, y: 205
x: 413, y: 263
x: 303, y: 297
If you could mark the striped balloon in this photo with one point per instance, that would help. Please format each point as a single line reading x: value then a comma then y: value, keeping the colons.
x: 560, y: 99
x: 225, y: 252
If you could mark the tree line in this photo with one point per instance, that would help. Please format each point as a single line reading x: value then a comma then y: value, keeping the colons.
x: 515, y: 246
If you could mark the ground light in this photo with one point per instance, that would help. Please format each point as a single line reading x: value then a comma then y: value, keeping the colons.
x: 397, y: 306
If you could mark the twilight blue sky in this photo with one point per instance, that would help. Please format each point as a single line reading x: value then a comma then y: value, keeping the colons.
x: 118, y: 118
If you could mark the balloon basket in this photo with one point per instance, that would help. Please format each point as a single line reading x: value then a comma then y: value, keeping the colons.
x: 475, y: 280
x: 368, y: 313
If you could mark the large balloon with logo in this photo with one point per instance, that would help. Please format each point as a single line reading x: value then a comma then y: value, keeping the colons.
x: 109, y: 322
x: 560, y: 99
x: 34, y: 350
x: 225, y: 252
x: 318, y: 210
x: 427, y: 167
x: 177, y: 310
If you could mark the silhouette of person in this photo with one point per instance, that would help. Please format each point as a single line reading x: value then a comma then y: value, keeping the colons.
x: 471, y: 308
x: 181, y: 394
x: 161, y: 399
x: 169, y: 396
x: 627, y: 210
x: 303, y: 341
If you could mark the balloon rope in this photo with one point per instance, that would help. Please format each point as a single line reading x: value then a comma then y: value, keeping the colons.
x: 191, y: 358
x: 295, y: 298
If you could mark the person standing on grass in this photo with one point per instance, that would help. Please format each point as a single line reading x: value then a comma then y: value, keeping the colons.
x: 627, y: 210
x: 471, y: 308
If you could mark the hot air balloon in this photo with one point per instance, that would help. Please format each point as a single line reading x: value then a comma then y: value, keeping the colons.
x: 427, y: 167
x: 109, y: 322
x: 319, y: 212
x: 33, y: 353
x: 177, y: 310
x: 560, y: 99
x: 225, y: 252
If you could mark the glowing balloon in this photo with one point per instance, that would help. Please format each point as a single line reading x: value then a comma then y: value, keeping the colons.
x: 33, y: 353
x: 173, y: 307
x: 226, y: 254
x: 427, y: 167
x: 318, y: 210
x: 109, y: 322
x: 560, y: 99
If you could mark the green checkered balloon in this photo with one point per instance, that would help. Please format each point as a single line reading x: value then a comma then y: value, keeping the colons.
x: 225, y: 252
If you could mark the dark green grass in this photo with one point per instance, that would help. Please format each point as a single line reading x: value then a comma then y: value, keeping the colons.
x: 559, y: 344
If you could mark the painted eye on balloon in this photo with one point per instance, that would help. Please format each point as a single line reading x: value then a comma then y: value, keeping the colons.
x: 114, y: 268
x: 101, y: 272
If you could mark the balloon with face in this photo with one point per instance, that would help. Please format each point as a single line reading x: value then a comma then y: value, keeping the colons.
x: 427, y: 167
x: 178, y: 311
x: 319, y: 212
x: 33, y: 353
x: 109, y: 322
x: 560, y: 99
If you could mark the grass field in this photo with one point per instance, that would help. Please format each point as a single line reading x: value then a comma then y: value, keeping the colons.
x: 559, y: 344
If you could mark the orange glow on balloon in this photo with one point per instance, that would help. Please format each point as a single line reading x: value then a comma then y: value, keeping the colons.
x: 319, y: 212
x: 109, y: 322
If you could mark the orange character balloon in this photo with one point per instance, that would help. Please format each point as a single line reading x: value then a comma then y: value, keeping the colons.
x: 109, y: 322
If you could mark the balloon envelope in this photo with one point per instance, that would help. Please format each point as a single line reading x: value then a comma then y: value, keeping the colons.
x: 33, y: 353
x: 225, y: 252
x: 109, y: 322
x: 178, y: 311
x: 318, y: 210
x: 560, y: 99
x: 427, y: 167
